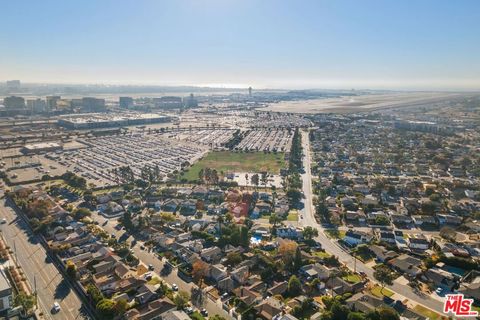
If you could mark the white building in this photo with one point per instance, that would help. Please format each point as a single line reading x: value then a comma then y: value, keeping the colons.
x: 6, y: 297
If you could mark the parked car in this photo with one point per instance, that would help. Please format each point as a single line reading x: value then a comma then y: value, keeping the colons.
x: 174, y: 287
x: 56, y: 307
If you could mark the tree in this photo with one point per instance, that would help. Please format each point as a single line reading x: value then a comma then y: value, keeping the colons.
x: 255, y: 180
x: 25, y: 301
x: 181, y: 299
x: 106, y: 308
x: 264, y: 179
x: 197, y: 297
x: 383, y: 313
x: 286, y: 250
x: 71, y: 269
x: 217, y: 317
x: 121, y: 306
x: 234, y: 258
x: 81, y: 213
x: 382, y: 221
x: 95, y: 294
x: 294, y: 286
x: 309, y: 232
x: 298, y: 262
x: 274, y: 219
x: 127, y: 220
x: 88, y: 196
x: 199, y: 270
x: 384, y: 275
x: 294, y: 196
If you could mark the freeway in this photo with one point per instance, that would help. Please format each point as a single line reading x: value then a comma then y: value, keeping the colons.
x: 148, y: 257
x: 33, y: 259
x: 332, y: 247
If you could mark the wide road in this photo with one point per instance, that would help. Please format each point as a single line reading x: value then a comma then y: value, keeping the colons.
x: 332, y: 247
x: 31, y: 256
x: 213, y: 307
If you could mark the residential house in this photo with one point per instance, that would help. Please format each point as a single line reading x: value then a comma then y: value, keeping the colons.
x: 407, y: 265
x: 441, y: 278
x: 382, y: 254
x: 278, y: 288
x: 269, y: 308
x: 212, y: 254
x: 418, y: 242
x: 151, y: 311
x: 386, y: 236
x: 289, y: 232
x: 355, y: 237
x: 317, y: 270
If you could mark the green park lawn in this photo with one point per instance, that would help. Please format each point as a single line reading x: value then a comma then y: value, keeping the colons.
x: 227, y: 161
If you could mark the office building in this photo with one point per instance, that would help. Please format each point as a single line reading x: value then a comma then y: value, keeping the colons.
x: 168, y: 102
x: 37, y: 105
x: 14, y: 102
x: 126, y: 102
x: 13, y: 85
x: 90, y: 104
x: 52, y: 102
x: 190, y: 101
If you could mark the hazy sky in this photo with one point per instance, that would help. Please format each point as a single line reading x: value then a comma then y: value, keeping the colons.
x: 264, y: 43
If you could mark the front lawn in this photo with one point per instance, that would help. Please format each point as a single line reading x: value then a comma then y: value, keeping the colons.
x: 322, y: 254
x: 427, y: 312
x: 335, y: 233
x: 379, y: 292
x: 353, y: 278
x: 292, y: 215
x: 197, y: 316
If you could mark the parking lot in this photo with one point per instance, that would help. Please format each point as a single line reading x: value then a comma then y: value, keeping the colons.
x: 104, y: 154
x: 267, y: 140
x: 208, y: 137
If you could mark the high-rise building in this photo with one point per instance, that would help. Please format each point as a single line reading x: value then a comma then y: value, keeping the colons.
x: 168, y: 102
x: 14, y: 102
x: 90, y: 104
x: 37, y: 105
x: 250, y: 91
x: 52, y: 102
x: 13, y: 85
x: 125, y: 102
x: 190, y: 101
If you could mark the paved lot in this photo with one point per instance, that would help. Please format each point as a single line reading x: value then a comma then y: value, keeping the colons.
x: 33, y: 259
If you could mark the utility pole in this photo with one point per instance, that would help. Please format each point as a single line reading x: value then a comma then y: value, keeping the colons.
x: 35, y: 290
x: 354, y: 263
x: 15, y: 250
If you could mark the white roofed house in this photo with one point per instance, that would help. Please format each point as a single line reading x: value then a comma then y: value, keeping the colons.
x: 355, y: 237
x: 418, y: 242
x: 289, y: 232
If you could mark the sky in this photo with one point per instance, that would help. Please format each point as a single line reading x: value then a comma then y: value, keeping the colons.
x: 342, y: 44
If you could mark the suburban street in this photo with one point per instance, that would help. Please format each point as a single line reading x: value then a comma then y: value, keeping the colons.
x: 33, y: 259
x: 332, y: 247
x: 213, y: 307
